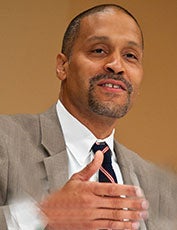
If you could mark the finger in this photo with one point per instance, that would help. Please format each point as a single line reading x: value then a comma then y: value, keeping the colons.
x: 97, y: 224
x: 110, y: 224
x: 119, y: 203
x: 103, y: 214
x: 119, y: 215
x: 90, y: 169
x: 116, y: 190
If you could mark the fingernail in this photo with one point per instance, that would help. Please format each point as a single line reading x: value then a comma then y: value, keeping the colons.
x: 135, y: 225
x: 144, y: 215
x: 139, y: 192
x: 145, y: 204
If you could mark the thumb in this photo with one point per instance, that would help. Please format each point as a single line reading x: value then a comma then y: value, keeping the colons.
x: 90, y: 169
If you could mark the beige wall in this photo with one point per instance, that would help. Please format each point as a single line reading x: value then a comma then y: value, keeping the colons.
x: 30, y: 38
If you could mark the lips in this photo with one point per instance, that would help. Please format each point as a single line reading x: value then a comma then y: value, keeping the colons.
x: 113, y: 84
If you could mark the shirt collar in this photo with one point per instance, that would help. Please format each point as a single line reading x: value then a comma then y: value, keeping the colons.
x: 78, y: 138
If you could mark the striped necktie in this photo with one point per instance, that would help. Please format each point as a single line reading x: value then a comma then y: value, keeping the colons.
x: 106, y: 171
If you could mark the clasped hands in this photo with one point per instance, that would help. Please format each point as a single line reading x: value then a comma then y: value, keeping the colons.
x: 85, y: 205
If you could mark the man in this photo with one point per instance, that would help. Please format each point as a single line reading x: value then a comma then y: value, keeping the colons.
x: 100, y: 68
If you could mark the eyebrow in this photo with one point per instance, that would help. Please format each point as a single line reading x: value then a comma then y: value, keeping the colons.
x: 105, y: 38
x: 99, y: 38
x: 132, y: 43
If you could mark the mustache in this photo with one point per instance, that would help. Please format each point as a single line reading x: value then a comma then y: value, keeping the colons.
x: 117, y: 77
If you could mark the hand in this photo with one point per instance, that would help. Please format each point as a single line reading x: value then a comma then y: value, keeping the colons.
x: 85, y: 205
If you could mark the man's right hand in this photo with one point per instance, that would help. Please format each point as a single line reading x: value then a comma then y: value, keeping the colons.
x: 85, y: 205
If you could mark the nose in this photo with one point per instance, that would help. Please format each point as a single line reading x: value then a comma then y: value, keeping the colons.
x: 114, y: 64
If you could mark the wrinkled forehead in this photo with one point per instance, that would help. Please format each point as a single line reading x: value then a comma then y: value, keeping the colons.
x: 109, y: 21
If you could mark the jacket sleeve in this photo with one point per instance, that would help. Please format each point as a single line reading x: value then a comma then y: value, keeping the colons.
x: 3, y: 182
x: 3, y: 225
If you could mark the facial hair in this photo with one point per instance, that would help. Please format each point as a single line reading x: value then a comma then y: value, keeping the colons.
x: 104, y: 108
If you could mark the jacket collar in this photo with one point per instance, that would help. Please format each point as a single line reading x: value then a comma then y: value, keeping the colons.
x: 56, y: 164
x: 52, y: 137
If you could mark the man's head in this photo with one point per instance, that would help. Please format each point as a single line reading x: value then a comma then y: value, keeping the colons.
x: 101, y: 63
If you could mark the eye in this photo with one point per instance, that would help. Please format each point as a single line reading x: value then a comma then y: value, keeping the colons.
x: 98, y: 51
x: 131, y: 56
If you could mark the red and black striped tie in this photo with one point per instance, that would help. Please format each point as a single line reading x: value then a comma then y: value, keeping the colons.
x: 106, y: 171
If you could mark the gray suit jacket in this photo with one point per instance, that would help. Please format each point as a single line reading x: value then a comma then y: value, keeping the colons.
x: 33, y: 159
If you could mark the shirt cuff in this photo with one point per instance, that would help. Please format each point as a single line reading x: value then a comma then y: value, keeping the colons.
x: 25, y: 215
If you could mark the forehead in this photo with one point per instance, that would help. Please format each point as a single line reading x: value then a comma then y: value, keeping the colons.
x: 111, y: 23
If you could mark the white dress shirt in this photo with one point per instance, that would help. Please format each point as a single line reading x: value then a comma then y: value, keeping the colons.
x: 79, y: 141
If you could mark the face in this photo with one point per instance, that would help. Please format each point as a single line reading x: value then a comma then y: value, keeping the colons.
x: 104, y: 72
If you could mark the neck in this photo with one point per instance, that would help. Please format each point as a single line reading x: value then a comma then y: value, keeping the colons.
x: 101, y: 126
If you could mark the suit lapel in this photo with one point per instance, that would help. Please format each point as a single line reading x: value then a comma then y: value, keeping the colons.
x: 128, y: 172
x: 56, y: 163
x: 125, y: 164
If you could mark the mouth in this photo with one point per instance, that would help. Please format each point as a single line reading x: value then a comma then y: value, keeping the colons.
x: 111, y: 84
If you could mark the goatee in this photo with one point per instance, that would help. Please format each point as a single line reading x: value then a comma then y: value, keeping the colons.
x: 105, y: 108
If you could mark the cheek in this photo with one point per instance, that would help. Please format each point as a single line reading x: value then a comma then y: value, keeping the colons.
x: 138, y: 77
x: 136, y: 82
x: 77, y: 80
x: 84, y: 67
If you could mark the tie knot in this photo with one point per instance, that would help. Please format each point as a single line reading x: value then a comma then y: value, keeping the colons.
x: 100, y: 146
x: 105, y: 150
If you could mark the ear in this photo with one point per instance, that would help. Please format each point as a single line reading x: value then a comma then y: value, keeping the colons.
x: 61, y: 67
